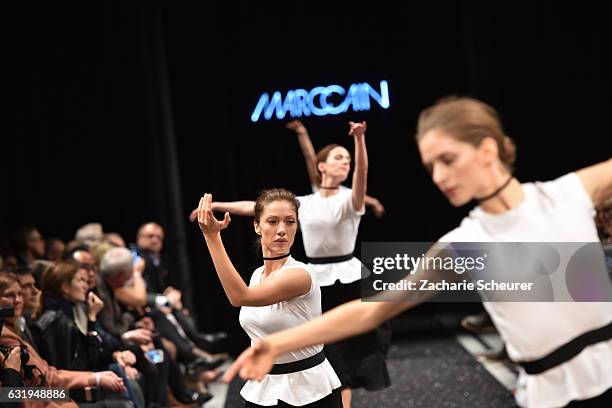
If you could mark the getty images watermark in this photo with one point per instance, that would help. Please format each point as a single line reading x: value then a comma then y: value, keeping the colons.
x: 485, y: 271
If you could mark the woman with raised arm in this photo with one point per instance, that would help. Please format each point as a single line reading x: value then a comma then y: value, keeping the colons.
x: 564, y: 350
x: 329, y: 221
x: 282, y: 293
x: 311, y: 165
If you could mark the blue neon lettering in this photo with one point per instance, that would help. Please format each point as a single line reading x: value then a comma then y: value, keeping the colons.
x: 319, y: 90
x: 300, y: 102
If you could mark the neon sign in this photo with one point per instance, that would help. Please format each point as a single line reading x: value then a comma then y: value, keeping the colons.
x: 319, y: 101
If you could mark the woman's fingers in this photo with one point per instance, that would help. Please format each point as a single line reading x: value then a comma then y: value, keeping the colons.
x: 226, y: 220
x: 200, y: 215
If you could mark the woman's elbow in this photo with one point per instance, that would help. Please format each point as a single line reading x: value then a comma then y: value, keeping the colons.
x: 237, y: 301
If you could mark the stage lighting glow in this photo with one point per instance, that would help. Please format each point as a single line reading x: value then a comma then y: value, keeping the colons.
x: 320, y: 101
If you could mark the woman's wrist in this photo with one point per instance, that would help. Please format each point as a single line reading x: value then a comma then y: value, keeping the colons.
x: 274, y: 344
x: 95, y: 380
x: 212, y: 236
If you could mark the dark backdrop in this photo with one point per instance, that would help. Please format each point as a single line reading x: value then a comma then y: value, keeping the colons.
x: 90, y: 139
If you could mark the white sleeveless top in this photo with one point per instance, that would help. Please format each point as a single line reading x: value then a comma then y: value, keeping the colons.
x: 329, y: 227
x: 298, y: 388
x: 554, y: 211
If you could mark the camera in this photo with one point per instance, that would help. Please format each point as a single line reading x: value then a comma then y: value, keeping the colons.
x: 25, y: 355
x: 7, y: 312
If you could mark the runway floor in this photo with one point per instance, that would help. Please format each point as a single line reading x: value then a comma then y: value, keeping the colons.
x: 439, y: 368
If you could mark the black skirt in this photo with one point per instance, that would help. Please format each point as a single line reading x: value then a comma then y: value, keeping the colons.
x: 359, y: 361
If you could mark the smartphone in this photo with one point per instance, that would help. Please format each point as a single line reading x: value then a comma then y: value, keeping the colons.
x: 155, y: 356
x: 134, y: 251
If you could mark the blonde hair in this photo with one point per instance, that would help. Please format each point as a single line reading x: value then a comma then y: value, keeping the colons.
x: 468, y: 120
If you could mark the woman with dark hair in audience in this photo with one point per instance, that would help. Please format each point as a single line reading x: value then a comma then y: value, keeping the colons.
x: 11, y: 296
x: 66, y: 332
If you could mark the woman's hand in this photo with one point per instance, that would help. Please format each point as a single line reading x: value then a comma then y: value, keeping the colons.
x: 357, y: 129
x: 13, y: 360
x: 138, y: 336
x: 209, y: 225
x: 131, y: 373
x: 254, y: 363
x: 377, y: 207
x: 139, y: 266
x: 111, y: 381
x: 94, y: 305
x: 297, y: 126
x: 124, y: 358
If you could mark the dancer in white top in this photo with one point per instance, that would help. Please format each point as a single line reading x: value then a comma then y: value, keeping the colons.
x: 314, y: 175
x: 462, y: 144
x: 283, y: 293
x: 329, y: 221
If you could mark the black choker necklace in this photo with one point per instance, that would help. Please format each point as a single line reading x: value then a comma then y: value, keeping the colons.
x: 274, y: 258
x: 328, y: 188
x: 496, y: 192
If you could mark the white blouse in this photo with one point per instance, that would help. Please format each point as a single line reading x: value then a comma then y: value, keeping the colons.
x: 329, y: 227
x: 554, y: 211
x: 302, y: 387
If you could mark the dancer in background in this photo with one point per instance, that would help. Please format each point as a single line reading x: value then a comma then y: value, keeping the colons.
x: 311, y: 165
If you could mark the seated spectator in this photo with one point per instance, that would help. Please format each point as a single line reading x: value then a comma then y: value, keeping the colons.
x: 37, y: 270
x: 11, y: 296
x: 89, y: 234
x: 66, y: 333
x: 29, y: 245
x: 31, y: 303
x: 114, y: 239
x: 54, y: 249
x: 170, y: 318
x: 10, y: 367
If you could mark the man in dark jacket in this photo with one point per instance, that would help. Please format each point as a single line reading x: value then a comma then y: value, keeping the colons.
x: 169, y: 315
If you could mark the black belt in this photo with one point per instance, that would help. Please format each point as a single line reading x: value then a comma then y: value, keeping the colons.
x: 300, y: 365
x: 568, y: 350
x: 330, y: 259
